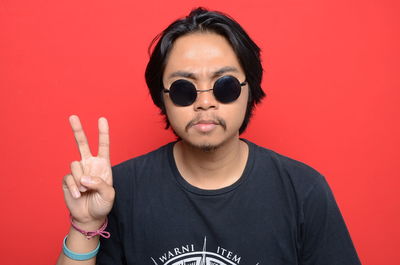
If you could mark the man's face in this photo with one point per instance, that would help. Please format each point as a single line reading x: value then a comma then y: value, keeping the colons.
x: 202, y: 58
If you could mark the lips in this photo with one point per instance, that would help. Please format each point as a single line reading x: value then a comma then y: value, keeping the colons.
x: 206, y: 122
x: 205, y: 126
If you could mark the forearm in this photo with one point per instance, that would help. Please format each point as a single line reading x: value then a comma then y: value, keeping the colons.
x: 78, y: 243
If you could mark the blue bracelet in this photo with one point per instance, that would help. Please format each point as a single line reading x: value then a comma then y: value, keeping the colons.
x: 77, y: 256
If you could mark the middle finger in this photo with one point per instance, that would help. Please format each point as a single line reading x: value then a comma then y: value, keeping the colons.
x: 80, y: 137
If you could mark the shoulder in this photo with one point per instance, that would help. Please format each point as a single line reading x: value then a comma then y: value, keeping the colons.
x: 137, y: 166
x: 144, y: 159
x: 302, y: 177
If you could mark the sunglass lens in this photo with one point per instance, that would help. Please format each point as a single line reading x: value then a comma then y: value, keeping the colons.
x: 227, y: 89
x: 182, y: 92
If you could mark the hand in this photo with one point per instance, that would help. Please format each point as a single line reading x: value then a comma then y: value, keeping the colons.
x: 88, y: 190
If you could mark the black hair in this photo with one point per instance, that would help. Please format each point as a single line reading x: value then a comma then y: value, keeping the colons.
x: 202, y: 20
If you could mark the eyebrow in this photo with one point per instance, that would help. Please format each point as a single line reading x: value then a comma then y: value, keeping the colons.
x: 191, y: 75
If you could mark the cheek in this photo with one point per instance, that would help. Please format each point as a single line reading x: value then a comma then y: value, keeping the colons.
x: 235, y: 113
x: 177, y: 116
x: 239, y: 114
x: 243, y: 101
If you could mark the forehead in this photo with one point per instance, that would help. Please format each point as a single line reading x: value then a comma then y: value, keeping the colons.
x: 201, y: 53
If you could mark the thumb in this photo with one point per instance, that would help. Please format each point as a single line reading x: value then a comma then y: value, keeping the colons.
x: 105, y: 190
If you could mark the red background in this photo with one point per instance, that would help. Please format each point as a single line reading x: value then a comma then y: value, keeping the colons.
x: 331, y: 75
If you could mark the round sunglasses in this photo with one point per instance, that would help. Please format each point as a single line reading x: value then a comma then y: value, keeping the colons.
x: 226, y: 89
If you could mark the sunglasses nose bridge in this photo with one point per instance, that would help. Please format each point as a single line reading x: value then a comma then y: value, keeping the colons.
x: 204, y: 90
x: 205, y: 99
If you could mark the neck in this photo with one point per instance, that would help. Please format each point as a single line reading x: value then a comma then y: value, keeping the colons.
x: 211, y: 169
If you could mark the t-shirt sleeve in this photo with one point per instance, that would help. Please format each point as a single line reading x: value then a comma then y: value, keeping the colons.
x: 325, y: 239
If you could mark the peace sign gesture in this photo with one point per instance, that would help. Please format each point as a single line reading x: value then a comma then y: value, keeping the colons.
x: 88, y: 190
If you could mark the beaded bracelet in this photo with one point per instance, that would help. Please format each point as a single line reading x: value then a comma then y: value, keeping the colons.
x: 79, y: 256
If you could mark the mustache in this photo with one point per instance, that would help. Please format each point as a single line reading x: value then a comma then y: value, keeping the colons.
x: 216, y: 119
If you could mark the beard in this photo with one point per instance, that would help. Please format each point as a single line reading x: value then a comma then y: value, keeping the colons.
x: 204, y: 147
x: 207, y: 148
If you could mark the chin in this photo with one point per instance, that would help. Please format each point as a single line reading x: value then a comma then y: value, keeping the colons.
x: 205, y: 145
x: 206, y: 142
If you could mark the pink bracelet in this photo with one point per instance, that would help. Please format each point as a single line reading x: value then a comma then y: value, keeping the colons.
x: 89, y: 234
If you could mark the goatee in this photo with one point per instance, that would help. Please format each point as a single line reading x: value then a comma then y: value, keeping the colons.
x: 208, y: 148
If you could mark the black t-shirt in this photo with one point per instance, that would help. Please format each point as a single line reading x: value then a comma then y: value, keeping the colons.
x: 280, y: 211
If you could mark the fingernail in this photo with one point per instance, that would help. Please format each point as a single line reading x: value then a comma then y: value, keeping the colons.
x: 75, y: 193
x: 87, y: 179
x: 82, y: 189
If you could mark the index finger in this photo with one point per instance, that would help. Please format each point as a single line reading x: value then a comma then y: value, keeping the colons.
x: 104, y: 139
x: 80, y: 137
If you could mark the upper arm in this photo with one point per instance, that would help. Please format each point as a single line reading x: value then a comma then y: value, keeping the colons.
x: 325, y: 238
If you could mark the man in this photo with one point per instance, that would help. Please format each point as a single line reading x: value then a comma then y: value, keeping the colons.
x: 210, y: 197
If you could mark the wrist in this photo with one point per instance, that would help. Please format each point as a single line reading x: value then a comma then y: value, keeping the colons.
x: 92, y: 229
x: 80, y: 252
x: 89, y: 225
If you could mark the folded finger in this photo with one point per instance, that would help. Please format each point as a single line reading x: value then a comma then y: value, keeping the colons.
x: 97, y: 184
x: 80, y: 137
x: 70, y: 185
x: 77, y: 173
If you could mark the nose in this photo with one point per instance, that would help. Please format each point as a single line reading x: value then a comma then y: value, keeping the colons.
x: 205, y: 99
